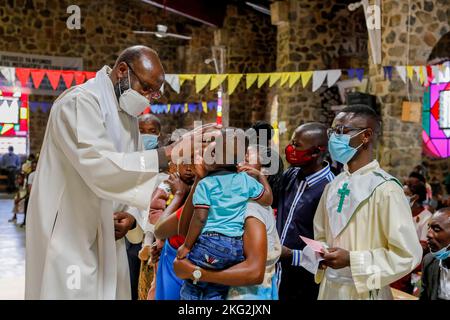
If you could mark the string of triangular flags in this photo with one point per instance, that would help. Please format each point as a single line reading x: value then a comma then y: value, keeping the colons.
x: 423, y: 74
x: 203, y: 106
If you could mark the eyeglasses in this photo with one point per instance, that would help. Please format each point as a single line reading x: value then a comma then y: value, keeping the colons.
x: 340, y: 129
x: 154, y: 94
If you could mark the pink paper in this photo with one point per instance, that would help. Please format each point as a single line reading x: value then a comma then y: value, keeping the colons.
x: 313, y: 244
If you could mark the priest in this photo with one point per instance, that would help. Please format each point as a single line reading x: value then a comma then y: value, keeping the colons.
x: 92, y: 183
x: 363, y: 217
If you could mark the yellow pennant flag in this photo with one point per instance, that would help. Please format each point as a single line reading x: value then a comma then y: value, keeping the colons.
x: 306, y: 76
x: 6, y: 128
x: 216, y: 80
x: 421, y: 75
x: 284, y: 78
x: 186, y: 108
x: 274, y: 77
x: 168, y: 108
x: 233, y: 81
x: 201, y: 80
x: 294, y: 78
x: 410, y: 72
x: 262, y: 78
x: 205, y: 107
x: 250, y: 79
x: 184, y: 77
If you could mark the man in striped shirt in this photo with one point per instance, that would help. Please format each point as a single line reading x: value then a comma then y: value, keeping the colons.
x: 301, y: 188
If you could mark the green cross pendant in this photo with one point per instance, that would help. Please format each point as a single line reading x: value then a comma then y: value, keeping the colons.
x: 343, y: 192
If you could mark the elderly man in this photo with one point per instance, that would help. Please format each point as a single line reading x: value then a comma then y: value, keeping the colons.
x: 11, y: 165
x: 92, y: 181
x: 436, y: 264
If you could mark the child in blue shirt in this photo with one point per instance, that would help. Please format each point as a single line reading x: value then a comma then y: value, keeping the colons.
x: 214, y: 239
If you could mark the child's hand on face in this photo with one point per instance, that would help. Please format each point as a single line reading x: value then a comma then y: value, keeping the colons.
x: 249, y: 169
x: 182, y: 252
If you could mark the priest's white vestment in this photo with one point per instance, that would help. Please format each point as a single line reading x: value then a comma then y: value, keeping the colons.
x: 367, y: 214
x: 88, y: 169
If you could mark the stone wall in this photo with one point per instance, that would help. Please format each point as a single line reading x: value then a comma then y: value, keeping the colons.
x: 39, y: 27
x: 317, y: 35
x: 401, y: 142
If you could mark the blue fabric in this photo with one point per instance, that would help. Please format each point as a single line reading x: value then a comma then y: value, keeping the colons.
x: 168, y: 285
x: 226, y: 194
x: 10, y: 160
x: 214, y: 252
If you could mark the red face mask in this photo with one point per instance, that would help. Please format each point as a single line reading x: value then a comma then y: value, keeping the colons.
x: 300, y: 157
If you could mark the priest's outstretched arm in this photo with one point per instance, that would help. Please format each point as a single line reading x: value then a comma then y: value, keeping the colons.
x: 76, y: 126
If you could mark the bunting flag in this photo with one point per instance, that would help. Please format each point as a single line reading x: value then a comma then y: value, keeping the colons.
x: 293, y: 78
x: 37, y: 75
x: 53, y: 76
x: 318, y: 79
x: 204, y: 107
x: 306, y: 76
x: 23, y: 74
x: 79, y: 77
x: 262, y: 78
x: 401, y: 72
x: 67, y: 78
x: 250, y: 79
x: 436, y: 74
x: 184, y: 77
x: 6, y: 127
x: 410, y: 72
x: 174, y: 82
x: 89, y: 75
x: 273, y: 78
x: 201, y: 80
x: 216, y: 80
x: 333, y: 76
x: 417, y: 72
x: 360, y: 74
x: 387, y: 73
x: 9, y: 73
x: 233, y: 81
x: 284, y: 78
x: 351, y: 73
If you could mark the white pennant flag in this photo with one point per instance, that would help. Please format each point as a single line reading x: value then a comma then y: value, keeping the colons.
x: 401, y: 70
x: 318, y: 79
x: 435, y: 70
x: 174, y: 81
x: 9, y: 73
x: 333, y: 76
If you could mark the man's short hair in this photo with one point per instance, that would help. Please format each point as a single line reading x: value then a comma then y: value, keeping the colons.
x: 418, y: 176
x: 131, y: 54
x: 148, y: 117
x: 420, y: 190
x: 364, y: 111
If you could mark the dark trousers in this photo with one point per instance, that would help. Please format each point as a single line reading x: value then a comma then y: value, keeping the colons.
x: 11, y: 173
x: 297, y: 284
x: 135, y: 266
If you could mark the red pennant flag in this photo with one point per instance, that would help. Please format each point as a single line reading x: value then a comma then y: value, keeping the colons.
x: 68, y: 78
x: 53, y: 76
x: 37, y: 75
x: 89, y: 75
x: 23, y: 74
x: 79, y: 77
x: 430, y: 74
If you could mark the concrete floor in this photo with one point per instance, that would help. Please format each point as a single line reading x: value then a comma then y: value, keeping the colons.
x: 12, y: 252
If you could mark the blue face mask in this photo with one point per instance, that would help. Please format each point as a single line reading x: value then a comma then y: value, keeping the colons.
x: 340, y: 148
x: 150, y: 141
x: 441, y: 254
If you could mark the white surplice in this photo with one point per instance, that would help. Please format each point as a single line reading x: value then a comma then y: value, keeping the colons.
x: 88, y: 169
x: 379, y: 233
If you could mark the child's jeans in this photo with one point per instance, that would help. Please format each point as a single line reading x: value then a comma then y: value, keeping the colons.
x: 215, y: 252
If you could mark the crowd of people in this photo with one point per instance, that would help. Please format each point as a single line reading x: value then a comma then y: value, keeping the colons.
x: 222, y: 218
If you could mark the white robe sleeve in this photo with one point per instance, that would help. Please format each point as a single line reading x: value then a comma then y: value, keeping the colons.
x: 376, y: 268
x: 79, y: 131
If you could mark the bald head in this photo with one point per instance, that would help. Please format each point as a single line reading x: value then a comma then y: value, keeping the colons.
x: 313, y: 134
x: 443, y: 215
x: 144, y: 68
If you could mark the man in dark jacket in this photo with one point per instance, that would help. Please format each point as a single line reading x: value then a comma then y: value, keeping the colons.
x: 436, y: 264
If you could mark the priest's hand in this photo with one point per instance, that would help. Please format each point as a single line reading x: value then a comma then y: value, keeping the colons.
x: 336, y: 258
x: 123, y: 222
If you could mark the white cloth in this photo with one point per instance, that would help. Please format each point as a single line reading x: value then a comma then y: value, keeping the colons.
x: 83, y: 177
x: 380, y: 236
x: 421, y: 223
x: 265, y: 215
x: 444, y: 283
x: 30, y: 178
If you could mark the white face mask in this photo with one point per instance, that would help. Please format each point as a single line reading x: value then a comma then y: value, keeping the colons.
x: 132, y: 102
